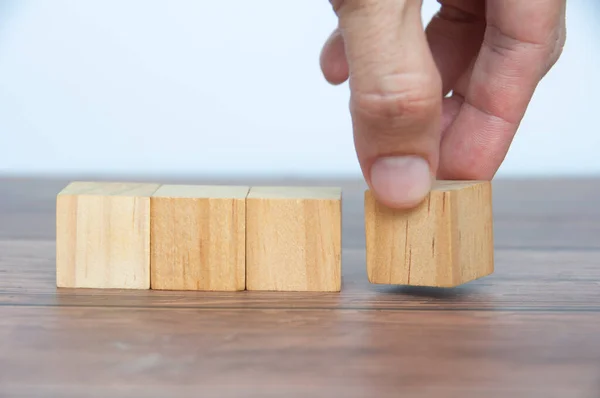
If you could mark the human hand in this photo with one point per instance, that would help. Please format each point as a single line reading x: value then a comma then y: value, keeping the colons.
x: 490, y: 54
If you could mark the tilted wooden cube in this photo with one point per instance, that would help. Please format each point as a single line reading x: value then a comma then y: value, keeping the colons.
x: 198, y: 238
x: 293, y: 240
x: 103, y: 235
x: 446, y: 241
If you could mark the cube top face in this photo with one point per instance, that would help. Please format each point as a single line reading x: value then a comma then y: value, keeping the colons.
x: 445, y: 241
x: 449, y: 185
x: 126, y: 189
x: 293, y: 239
x: 296, y: 193
x: 202, y: 191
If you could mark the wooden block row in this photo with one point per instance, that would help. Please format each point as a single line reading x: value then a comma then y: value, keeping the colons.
x: 186, y: 237
x: 229, y: 238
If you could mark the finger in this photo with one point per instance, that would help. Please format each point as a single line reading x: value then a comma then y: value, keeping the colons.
x: 455, y: 34
x: 523, y: 40
x: 333, y: 59
x: 395, y: 98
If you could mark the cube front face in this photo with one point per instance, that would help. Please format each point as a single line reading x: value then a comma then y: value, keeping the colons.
x: 444, y: 242
x: 293, y: 239
x: 103, y: 236
x: 198, y: 243
x: 409, y: 247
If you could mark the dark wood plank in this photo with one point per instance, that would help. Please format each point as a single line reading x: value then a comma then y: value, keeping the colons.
x: 226, y: 353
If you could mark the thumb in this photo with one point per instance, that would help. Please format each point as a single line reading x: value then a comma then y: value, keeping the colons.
x: 396, y: 97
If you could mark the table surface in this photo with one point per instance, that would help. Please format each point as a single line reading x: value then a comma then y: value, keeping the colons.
x: 531, y: 329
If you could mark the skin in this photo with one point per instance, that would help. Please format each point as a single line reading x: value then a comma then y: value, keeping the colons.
x: 442, y: 101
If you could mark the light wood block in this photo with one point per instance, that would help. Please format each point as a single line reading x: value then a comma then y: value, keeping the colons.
x: 293, y: 240
x: 446, y: 241
x: 198, y: 236
x: 103, y: 235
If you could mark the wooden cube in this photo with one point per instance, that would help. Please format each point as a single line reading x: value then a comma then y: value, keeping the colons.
x: 446, y: 241
x: 293, y: 240
x: 103, y: 235
x: 198, y: 238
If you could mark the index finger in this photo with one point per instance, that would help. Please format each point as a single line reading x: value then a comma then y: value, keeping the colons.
x: 523, y: 39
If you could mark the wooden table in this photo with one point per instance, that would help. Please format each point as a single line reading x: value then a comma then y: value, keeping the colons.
x: 532, y: 329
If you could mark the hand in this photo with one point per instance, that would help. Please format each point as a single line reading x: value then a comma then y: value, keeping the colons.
x: 490, y: 55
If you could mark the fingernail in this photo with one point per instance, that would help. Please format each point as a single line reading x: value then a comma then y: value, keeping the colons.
x: 402, y: 181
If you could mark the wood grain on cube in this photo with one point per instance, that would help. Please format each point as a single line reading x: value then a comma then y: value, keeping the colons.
x: 445, y: 241
x: 198, y: 238
x: 293, y: 239
x: 103, y: 235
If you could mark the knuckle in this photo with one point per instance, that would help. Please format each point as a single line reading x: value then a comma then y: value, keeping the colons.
x: 554, y: 50
x: 336, y: 4
x: 536, y: 56
x: 351, y: 5
x: 413, y: 101
x: 558, y: 46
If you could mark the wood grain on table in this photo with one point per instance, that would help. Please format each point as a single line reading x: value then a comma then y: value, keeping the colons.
x: 532, y: 329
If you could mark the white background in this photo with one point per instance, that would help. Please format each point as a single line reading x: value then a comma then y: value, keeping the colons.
x: 229, y: 88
